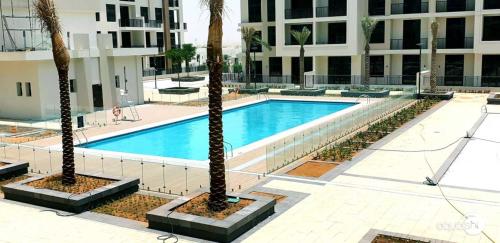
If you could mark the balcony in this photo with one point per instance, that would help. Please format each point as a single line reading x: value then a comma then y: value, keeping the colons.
x: 154, y: 24
x: 468, y: 43
x: 399, y: 44
x: 454, y: 6
x: 405, y: 8
x: 131, y: 22
x: 329, y: 12
x: 298, y: 13
x: 175, y: 26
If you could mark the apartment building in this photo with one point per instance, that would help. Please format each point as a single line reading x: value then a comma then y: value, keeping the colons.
x: 110, y: 42
x: 468, y: 40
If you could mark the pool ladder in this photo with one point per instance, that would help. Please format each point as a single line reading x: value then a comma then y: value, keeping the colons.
x: 75, y: 133
x: 226, y: 145
x: 364, y: 96
x: 262, y: 94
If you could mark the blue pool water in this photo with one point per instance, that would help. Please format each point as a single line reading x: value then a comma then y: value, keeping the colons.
x: 188, y: 139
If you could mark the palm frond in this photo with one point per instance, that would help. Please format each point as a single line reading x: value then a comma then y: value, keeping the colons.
x: 261, y: 42
x: 302, y: 36
x: 368, y: 25
x: 215, y: 7
x: 45, y: 10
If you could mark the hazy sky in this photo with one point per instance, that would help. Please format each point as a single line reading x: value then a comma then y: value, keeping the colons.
x: 197, y: 18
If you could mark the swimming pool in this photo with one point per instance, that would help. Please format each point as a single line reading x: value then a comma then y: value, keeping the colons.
x: 188, y: 139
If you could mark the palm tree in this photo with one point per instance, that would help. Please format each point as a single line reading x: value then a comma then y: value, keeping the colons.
x: 46, y: 11
x: 368, y: 24
x: 434, y: 27
x: 248, y: 35
x: 215, y: 61
x: 301, y: 37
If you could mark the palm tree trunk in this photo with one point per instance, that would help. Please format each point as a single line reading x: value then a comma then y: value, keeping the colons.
x: 301, y: 78
x: 434, y: 65
x: 248, y: 65
x: 366, y: 80
x: 217, y: 200
x: 61, y: 58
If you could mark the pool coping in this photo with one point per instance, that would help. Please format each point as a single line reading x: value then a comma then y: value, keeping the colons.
x: 204, y: 163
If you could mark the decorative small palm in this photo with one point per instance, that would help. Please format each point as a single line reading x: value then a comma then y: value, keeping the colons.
x: 368, y: 24
x: 434, y: 28
x: 250, y: 37
x: 301, y: 37
x: 46, y: 12
x: 215, y: 61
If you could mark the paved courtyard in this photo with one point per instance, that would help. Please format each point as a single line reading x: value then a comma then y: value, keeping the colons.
x: 379, y: 190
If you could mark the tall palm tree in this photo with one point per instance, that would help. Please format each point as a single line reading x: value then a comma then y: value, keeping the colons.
x: 301, y: 37
x: 368, y: 24
x: 215, y: 61
x: 250, y: 37
x: 434, y: 28
x: 46, y: 12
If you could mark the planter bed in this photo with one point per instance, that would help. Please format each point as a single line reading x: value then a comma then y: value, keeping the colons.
x: 188, y: 79
x: 494, y: 99
x: 438, y: 96
x: 71, y: 202
x: 179, y: 91
x: 253, y: 91
x: 304, y: 92
x: 372, y: 93
x: 224, y: 230
x: 10, y: 169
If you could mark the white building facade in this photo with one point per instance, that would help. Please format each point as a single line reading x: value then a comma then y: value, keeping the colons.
x: 468, y: 40
x: 110, y: 42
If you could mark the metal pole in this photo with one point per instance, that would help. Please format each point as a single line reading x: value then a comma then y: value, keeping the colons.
x: 420, y: 73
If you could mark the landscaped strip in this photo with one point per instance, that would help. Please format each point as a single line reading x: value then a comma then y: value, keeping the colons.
x: 362, y: 140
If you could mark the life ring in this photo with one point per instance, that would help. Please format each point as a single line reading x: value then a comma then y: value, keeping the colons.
x: 117, y: 111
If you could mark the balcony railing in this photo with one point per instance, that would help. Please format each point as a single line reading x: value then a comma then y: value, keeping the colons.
x: 301, y: 13
x: 154, y: 24
x: 468, y: 43
x: 131, y: 23
x: 133, y: 46
x: 399, y: 44
x: 454, y: 6
x: 404, y: 8
x: 329, y: 12
x: 175, y: 26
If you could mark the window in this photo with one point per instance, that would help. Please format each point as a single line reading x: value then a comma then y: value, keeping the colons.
x: 97, y: 16
x: 376, y: 66
x: 117, y: 81
x: 275, y: 66
x: 19, y: 89
x: 145, y: 14
x: 378, y: 33
x: 271, y: 35
x: 254, y: 11
x: 337, y: 33
x: 110, y: 12
x: 72, y: 85
x: 491, y: 71
x: 159, y: 14
x: 271, y: 10
x: 376, y: 7
x: 115, y: 38
x: 491, y: 28
x: 491, y: 4
x: 27, y: 86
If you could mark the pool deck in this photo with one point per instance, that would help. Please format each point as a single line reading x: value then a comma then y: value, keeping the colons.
x: 380, y: 191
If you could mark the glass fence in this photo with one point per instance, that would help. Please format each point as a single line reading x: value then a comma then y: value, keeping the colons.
x: 296, y: 146
x: 158, y: 176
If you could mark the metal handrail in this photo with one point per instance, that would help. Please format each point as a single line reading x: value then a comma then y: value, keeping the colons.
x: 231, y: 146
x: 364, y: 96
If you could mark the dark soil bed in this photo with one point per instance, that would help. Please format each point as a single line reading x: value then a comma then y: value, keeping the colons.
x: 188, y: 79
x: 312, y: 169
x: 2, y: 164
x: 394, y: 239
x: 199, y: 206
x: 132, y: 207
x: 83, y: 184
